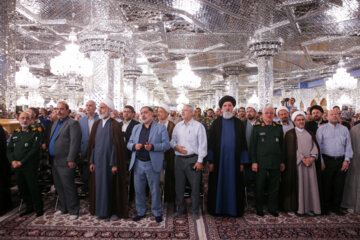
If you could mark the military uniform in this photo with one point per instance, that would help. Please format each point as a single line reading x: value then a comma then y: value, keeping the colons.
x: 267, y: 150
x: 24, y: 146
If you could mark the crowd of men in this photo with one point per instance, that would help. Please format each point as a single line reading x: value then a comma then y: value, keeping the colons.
x: 304, y: 163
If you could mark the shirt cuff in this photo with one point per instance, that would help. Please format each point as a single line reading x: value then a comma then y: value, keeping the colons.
x: 200, y: 160
x: 347, y: 159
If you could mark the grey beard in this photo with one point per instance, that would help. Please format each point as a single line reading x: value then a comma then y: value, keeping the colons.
x: 227, y: 115
x: 102, y: 116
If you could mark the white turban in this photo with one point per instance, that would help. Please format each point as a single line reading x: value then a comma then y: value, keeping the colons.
x: 165, y: 107
x: 297, y: 113
x: 281, y: 108
x: 109, y: 102
x: 251, y: 105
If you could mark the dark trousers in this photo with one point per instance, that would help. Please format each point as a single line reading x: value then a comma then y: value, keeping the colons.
x: 333, y: 182
x: 184, y: 171
x: 26, y: 179
x: 271, y: 179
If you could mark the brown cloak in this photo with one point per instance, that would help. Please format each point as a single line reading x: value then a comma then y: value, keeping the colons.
x: 169, y: 157
x: 289, y: 179
x: 118, y: 199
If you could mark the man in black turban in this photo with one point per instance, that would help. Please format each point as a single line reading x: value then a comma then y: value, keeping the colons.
x: 316, y: 112
x: 227, y: 99
x: 227, y: 153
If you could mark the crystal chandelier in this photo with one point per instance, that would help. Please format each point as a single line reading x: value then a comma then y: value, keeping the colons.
x: 344, y: 100
x: 341, y: 80
x: 182, y: 99
x: 254, y: 99
x: 22, y: 101
x: 24, y: 78
x: 185, y: 78
x: 71, y: 61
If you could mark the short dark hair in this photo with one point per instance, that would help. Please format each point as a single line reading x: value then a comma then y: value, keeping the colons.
x: 241, y: 108
x: 65, y: 104
x: 35, y: 110
x: 210, y: 109
x: 293, y: 98
x: 150, y: 108
x: 336, y: 107
x: 130, y: 107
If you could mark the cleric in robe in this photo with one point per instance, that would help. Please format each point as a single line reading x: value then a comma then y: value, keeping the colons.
x: 227, y: 152
x: 107, y: 157
x: 299, y: 188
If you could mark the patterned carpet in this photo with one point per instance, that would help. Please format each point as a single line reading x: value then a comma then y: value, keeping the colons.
x: 50, y: 226
x: 283, y: 227
x: 250, y: 226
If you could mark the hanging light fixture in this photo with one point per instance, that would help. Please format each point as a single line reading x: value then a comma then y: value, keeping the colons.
x: 341, y: 80
x: 24, y: 78
x: 71, y: 61
x: 186, y: 77
x: 254, y: 99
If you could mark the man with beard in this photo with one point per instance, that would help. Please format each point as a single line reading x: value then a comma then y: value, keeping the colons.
x: 316, y: 112
x: 242, y: 114
x: 190, y: 144
x: 283, y: 114
x: 148, y: 142
x: 86, y: 124
x: 174, y: 118
x: 299, y: 183
x: 107, y: 157
x: 227, y: 153
x: 267, y: 156
x: 65, y: 140
x: 127, y: 126
x: 336, y: 152
x: 23, y: 154
x: 169, y: 155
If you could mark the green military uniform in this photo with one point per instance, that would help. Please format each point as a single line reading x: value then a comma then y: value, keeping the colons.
x: 24, y: 146
x: 267, y: 150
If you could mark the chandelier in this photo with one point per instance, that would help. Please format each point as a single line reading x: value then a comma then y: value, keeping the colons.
x: 186, y: 77
x: 341, y: 80
x: 254, y: 99
x: 182, y: 99
x: 24, y: 78
x: 71, y: 61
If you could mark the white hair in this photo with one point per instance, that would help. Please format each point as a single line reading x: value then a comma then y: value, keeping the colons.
x: 191, y: 108
x: 268, y: 106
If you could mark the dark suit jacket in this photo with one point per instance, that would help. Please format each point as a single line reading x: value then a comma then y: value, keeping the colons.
x: 128, y: 134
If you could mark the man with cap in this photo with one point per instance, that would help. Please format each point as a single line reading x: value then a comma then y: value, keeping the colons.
x: 267, y: 156
x: 336, y: 152
x: 227, y: 154
x: 65, y: 140
x: 107, y: 157
x: 316, y: 112
x: 283, y: 114
x: 23, y: 154
x: 300, y: 181
x: 169, y: 155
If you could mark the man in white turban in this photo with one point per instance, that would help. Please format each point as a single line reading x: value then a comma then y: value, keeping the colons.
x: 107, y: 157
x: 299, y: 186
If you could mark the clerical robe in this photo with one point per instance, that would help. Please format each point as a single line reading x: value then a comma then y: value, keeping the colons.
x: 300, y: 185
x: 169, y: 162
x: 227, y: 151
x: 108, y: 192
x: 351, y: 196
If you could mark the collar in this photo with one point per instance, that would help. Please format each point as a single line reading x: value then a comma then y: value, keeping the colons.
x: 299, y: 129
x: 334, y: 126
x: 189, y: 123
x: 63, y: 120
x: 104, y: 121
x: 149, y: 125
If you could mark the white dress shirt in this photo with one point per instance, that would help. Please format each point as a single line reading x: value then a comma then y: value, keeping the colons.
x: 192, y: 136
x: 104, y: 121
x: 125, y: 125
x: 90, y: 124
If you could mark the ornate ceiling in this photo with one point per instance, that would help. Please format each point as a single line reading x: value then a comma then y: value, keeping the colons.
x: 213, y: 34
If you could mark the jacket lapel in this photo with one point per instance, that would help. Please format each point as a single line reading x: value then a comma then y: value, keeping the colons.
x: 53, y: 127
x: 62, y: 127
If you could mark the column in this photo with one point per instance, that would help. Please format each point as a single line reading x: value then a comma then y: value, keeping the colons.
x: 264, y: 48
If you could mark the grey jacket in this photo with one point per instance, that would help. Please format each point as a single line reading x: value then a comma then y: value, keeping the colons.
x: 67, y: 142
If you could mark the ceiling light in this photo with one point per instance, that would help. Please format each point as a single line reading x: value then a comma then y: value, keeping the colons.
x: 186, y: 77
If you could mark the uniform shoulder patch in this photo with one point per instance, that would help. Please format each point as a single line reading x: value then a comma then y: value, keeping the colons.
x: 278, y: 123
x: 39, y: 129
x: 258, y: 123
x: 17, y: 130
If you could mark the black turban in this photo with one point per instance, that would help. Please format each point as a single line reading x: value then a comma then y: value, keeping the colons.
x: 316, y: 107
x: 227, y: 99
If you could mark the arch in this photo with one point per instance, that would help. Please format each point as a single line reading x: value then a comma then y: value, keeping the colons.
x: 323, y: 103
x: 301, y: 106
x: 313, y: 102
